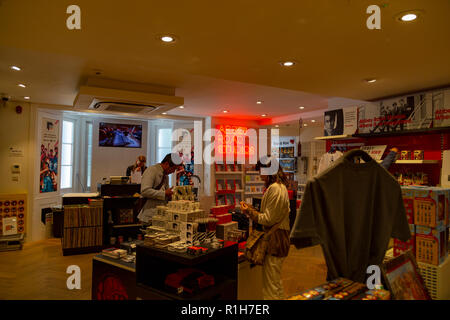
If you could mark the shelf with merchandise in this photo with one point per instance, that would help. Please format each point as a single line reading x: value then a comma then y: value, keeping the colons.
x: 338, y: 137
x: 225, y: 191
x: 229, y: 172
x: 414, y: 161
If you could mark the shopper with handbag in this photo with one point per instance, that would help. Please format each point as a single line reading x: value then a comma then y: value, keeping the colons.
x: 272, y: 247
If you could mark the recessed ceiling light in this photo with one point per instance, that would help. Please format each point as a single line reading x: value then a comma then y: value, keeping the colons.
x: 181, y: 107
x: 22, y: 85
x: 287, y: 63
x: 264, y: 115
x: 409, y: 17
x: 277, y: 126
x: 371, y: 80
x: 167, y: 39
x: 258, y: 102
x: 313, y: 121
x: 305, y: 125
x: 164, y: 113
x: 16, y: 68
x: 26, y: 98
x: 301, y: 108
x: 225, y: 111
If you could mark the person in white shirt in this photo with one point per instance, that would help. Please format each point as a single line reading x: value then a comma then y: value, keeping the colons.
x: 274, y: 212
x: 155, y: 185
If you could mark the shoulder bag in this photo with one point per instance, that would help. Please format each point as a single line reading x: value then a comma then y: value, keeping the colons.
x: 258, y: 244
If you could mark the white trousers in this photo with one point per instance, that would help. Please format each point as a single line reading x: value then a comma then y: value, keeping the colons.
x: 272, y: 286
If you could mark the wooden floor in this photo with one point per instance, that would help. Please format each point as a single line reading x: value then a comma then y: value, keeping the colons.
x: 38, y: 271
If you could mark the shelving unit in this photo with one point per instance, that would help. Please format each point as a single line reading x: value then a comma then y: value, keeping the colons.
x: 83, y: 228
x: 12, y: 242
x: 229, y: 172
x: 432, y: 141
x: 242, y: 178
x: 339, y: 137
x: 229, y: 184
x: 417, y: 162
x: 286, y: 148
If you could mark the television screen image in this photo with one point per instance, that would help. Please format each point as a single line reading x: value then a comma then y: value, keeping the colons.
x: 120, y: 135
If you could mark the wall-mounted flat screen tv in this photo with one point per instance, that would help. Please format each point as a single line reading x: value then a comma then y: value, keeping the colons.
x: 120, y: 135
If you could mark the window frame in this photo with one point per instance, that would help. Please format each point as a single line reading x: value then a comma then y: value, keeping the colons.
x: 73, y: 147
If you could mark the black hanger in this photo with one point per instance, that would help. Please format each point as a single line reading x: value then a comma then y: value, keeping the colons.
x: 358, y: 153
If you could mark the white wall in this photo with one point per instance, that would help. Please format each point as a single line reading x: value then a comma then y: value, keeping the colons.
x: 309, y: 133
x: 14, y: 132
x: 111, y: 161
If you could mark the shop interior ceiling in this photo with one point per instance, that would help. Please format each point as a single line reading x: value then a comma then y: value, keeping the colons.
x: 227, y: 54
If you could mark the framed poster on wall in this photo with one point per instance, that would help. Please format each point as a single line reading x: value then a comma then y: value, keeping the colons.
x: 49, y: 153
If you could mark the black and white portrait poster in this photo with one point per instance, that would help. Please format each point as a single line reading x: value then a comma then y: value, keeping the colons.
x: 341, y: 122
x: 334, y: 122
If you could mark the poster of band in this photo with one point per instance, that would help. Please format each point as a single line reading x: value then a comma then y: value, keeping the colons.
x: 441, y: 108
x: 49, y: 140
x: 400, y: 114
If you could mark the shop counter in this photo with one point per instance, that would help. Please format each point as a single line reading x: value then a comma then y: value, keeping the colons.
x: 208, y: 276
x: 114, y: 279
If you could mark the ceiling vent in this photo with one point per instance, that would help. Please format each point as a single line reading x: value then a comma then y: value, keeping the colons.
x: 109, y: 100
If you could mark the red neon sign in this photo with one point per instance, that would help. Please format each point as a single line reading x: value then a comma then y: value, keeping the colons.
x: 235, y: 137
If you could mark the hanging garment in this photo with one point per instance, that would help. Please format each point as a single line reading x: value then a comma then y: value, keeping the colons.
x: 351, y: 210
x: 327, y: 160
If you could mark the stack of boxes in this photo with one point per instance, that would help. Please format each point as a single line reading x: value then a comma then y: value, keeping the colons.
x: 401, y: 247
x: 427, y: 209
x: 225, y: 224
x: 179, y: 216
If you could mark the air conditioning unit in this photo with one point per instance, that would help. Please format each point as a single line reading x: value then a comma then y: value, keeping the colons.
x: 123, y: 101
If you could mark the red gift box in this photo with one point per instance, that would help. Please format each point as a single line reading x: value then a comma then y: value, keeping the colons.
x: 224, y: 218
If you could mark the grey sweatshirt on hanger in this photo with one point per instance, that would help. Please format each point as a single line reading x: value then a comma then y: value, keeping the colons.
x: 351, y: 210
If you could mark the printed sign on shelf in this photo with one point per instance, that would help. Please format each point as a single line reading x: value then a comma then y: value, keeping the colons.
x: 376, y: 152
